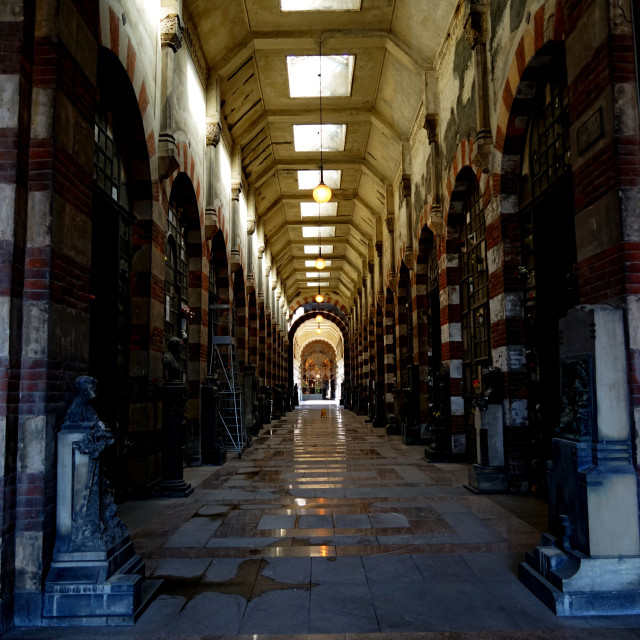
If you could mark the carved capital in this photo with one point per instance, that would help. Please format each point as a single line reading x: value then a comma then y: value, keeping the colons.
x: 476, y: 27
x: 236, y: 190
x: 171, y: 32
x: 379, y: 248
x: 410, y: 258
x: 168, y: 161
x: 431, y: 127
x: 251, y: 284
x: 390, y: 224
x: 260, y: 252
x: 213, y: 132
x: 435, y: 219
x: 406, y: 186
x: 482, y: 151
x: 393, y: 282
x: 251, y: 227
x: 235, y: 264
x: 211, y: 221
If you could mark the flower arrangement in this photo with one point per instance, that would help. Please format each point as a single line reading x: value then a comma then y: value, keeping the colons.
x: 186, y: 312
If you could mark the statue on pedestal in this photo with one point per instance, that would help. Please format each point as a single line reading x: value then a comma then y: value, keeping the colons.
x: 171, y: 361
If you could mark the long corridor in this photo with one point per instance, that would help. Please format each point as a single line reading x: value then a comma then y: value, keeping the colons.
x: 326, y: 525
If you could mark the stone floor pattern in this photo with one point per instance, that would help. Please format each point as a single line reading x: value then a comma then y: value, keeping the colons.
x: 328, y: 528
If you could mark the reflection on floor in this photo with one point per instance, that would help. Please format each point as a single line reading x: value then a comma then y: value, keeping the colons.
x: 328, y: 526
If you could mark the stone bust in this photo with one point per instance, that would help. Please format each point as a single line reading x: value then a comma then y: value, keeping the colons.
x: 171, y: 361
x: 81, y: 410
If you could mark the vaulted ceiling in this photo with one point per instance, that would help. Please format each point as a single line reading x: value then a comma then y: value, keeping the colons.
x: 246, y: 44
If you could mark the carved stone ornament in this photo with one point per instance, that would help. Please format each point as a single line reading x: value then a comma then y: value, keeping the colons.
x: 235, y: 263
x: 171, y: 32
x: 406, y: 186
x: 379, y: 248
x: 260, y: 251
x: 251, y: 226
x: 213, y: 132
x: 475, y: 28
x: 390, y: 224
x: 431, y: 127
x: 236, y: 190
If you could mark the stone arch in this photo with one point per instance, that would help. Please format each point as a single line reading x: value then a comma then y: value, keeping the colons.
x: 117, y: 38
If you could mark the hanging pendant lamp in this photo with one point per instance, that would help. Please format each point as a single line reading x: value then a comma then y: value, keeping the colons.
x: 322, y: 193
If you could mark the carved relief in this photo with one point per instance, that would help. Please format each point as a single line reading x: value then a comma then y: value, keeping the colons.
x: 406, y: 186
x: 476, y: 27
x: 171, y: 32
x: 213, y: 132
x: 431, y: 127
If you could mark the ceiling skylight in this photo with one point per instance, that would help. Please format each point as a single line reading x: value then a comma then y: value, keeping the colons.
x: 312, y: 263
x: 320, y: 5
x: 314, y: 232
x: 310, y: 209
x: 317, y: 274
x: 304, y: 80
x: 309, y: 178
x: 306, y: 137
x: 312, y: 249
x: 317, y: 284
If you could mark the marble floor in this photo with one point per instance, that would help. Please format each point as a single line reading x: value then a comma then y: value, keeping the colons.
x: 327, y: 528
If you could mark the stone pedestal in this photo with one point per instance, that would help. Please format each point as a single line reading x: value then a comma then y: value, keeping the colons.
x: 96, y: 578
x: 590, y: 562
x: 488, y: 475
x: 172, y: 484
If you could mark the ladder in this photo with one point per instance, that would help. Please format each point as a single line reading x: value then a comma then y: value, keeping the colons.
x: 224, y: 366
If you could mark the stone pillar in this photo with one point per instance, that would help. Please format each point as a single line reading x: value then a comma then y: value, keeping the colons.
x: 590, y: 562
x: 171, y: 40
x: 476, y: 32
x: 172, y: 484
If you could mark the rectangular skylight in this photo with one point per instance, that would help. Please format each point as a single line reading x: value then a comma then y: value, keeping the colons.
x: 314, y: 232
x: 320, y: 5
x: 310, y: 209
x: 317, y: 284
x: 317, y: 274
x: 306, y: 137
x: 312, y: 263
x: 310, y: 178
x: 304, y: 79
x: 312, y: 249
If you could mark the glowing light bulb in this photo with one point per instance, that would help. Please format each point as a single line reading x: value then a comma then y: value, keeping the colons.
x: 322, y: 193
x: 319, y: 298
x: 318, y: 317
x: 320, y: 263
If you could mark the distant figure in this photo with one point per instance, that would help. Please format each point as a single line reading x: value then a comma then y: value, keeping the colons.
x: 171, y: 361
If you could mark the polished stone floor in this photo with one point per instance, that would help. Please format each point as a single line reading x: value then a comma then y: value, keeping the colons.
x: 327, y: 528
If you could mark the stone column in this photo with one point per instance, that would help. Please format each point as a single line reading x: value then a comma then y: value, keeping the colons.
x: 171, y: 40
x: 590, y: 562
x: 172, y: 484
x: 476, y: 31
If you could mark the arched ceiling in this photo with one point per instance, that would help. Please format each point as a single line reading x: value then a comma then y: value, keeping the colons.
x: 246, y: 44
x: 329, y: 332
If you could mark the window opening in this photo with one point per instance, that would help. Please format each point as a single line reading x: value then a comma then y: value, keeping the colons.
x: 177, y: 312
x: 106, y: 160
x: 474, y: 292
